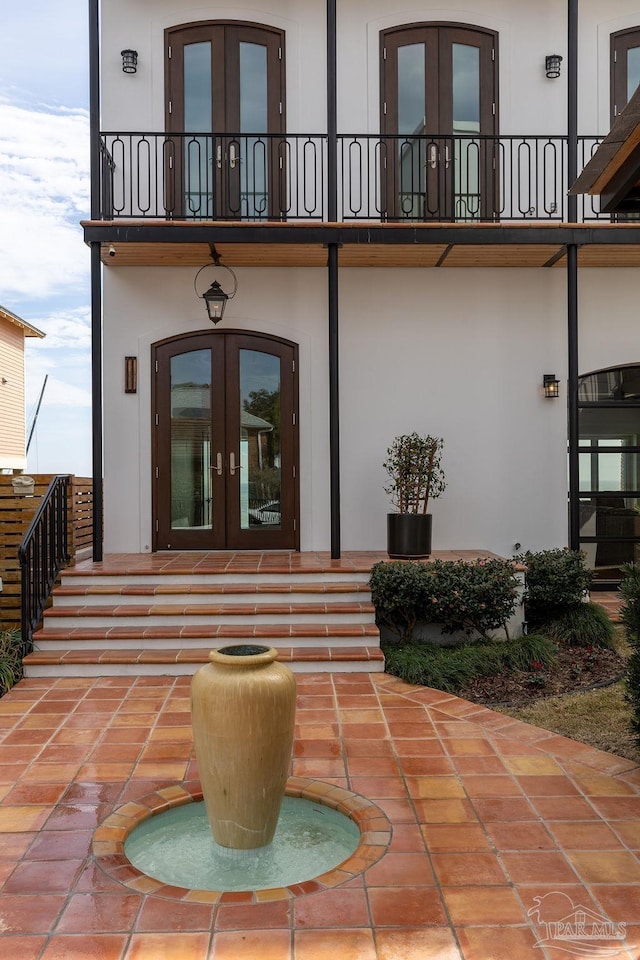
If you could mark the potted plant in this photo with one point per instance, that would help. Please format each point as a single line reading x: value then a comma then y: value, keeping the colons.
x: 413, y: 463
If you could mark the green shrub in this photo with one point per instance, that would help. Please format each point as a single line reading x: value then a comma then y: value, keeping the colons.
x: 10, y: 659
x: 585, y: 625
x: 474, y: 598
x: 401, y: 594
x: 630, y: 615
x: 555, y: 581
x: 452, y: 669
x: 520, y: 653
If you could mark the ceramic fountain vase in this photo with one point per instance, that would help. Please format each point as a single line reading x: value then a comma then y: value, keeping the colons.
x: 243, y: 710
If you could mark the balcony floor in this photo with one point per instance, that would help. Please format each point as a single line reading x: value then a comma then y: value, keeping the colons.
x: 157, y: 243
x: 478, y: 816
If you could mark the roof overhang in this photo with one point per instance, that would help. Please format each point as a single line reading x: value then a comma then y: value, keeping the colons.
x: 613, y: 173
x: 28, y: 329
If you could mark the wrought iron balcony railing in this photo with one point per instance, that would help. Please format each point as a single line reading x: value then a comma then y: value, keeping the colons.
x: 260, y: 177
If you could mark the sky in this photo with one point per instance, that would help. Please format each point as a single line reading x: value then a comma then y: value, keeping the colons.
x: 44, y: 194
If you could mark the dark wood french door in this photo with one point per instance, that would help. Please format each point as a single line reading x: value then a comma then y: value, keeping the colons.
x: 625, y: 68
x: 225, y: 107
x: 225, y: 443
x: 439, y: 109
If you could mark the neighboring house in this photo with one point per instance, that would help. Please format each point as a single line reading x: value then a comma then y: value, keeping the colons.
x: 13, y: 331
x: 390, y: 186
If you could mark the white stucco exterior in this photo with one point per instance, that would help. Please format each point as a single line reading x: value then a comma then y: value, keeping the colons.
x: 459, y: 353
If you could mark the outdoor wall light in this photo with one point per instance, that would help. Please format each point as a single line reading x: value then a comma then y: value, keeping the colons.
x: 215, y: 298
x: 129, y: 61
x: 552, y: 66
x: 130, y: 374
x: 551, y: 386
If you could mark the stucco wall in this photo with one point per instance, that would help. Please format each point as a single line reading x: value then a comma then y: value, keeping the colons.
x: 457, y: 353
x: 528, y: 102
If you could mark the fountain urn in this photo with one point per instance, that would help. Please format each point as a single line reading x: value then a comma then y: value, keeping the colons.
x: 243, y: 711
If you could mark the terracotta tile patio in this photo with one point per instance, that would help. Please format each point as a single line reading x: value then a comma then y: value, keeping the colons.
x: 487, y: 814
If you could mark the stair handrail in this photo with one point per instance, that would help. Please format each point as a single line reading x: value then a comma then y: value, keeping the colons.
x: 43, y: 552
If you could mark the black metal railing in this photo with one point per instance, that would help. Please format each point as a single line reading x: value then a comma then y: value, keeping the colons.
x: 42, y: 554
x: 260, y: 177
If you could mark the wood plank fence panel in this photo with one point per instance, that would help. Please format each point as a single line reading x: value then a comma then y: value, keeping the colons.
x: 16, y: 513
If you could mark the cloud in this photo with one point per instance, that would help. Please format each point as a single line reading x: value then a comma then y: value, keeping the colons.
x: 44, y: 193
x: 65, y: 329
x: 64, y: 355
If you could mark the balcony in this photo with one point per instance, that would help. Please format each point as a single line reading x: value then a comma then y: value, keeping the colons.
x: 393, y: 179
x: 424, y: 201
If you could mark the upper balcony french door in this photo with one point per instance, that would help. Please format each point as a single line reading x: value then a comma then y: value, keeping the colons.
x: 438, y: 87
x: 226, y: 82
x: 625, y: 68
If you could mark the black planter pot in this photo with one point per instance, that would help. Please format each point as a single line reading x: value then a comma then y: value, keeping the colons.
x: 408, y: 535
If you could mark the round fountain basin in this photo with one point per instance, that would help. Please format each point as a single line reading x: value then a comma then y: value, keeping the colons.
x: 177, y: 848
x: 369, y: 828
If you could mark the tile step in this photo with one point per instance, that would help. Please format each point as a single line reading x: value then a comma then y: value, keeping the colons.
x: 347, y: 592
x: 282, y: 642
x: 281, y: 634
x: 108, y: 662
x: 80, y: 576
x: 183, y: 607
x: 59, y: 618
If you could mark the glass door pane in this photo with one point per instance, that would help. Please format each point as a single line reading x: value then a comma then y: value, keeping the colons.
x: 190, y: 444
x: 198, y: 107
x: 253, y: 119
x: 412, y: 122
x: 633, y: 71
x: 260, y: 440
x: 466, y: 123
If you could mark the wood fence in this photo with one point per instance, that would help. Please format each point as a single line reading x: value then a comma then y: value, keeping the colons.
x: 16, y: 513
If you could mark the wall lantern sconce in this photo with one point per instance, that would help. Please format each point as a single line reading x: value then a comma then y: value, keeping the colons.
x: 552, y: 66
x: 129, y: 61
x: 215, y: 298
x: 551, y: 386
x: 130, y: 374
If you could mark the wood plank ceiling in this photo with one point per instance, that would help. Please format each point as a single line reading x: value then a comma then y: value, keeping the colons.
x: 361, y: 250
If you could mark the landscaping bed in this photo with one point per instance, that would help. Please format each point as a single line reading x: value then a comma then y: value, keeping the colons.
x: 574, y: 669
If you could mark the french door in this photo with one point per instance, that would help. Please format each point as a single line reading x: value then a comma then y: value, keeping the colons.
x: 439, y: 109
x: 225, y: 101
x: 225, y: 443
x: 625, y: 68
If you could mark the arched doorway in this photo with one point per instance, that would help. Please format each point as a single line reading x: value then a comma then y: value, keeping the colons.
x: 225, y: 442
x: 609, y: 453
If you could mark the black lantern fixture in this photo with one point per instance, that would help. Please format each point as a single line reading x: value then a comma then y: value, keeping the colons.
x: 129, y: 61
x: 551, y: 386
x: 552, y: 66
x: 215, y: 298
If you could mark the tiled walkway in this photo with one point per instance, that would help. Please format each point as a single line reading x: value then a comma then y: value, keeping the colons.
x: 488, y: 814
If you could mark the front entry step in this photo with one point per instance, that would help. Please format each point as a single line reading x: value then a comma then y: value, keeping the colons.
x: 135, y: 618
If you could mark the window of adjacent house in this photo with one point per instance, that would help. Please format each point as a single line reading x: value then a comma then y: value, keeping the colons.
x: 625, y: 68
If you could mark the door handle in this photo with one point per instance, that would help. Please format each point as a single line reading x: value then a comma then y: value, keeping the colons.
x: 233, y: 156
x: 219, y: 157
x: 232, y: 464
x: 432, y: 157
x: 219, y: 464
x: 447, y: 158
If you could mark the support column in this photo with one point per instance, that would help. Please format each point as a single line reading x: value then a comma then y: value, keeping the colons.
x: 96, y: 279
x: 573, y: 423
x: 332, y: 210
